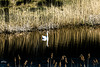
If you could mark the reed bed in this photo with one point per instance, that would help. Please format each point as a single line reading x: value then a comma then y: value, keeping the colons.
x: 76, y: 13
x: 63, y: 62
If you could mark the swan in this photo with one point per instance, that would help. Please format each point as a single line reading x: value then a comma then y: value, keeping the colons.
x: 45, y: 38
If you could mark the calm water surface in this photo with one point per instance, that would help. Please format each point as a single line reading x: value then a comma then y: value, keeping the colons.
x: 66, y: 41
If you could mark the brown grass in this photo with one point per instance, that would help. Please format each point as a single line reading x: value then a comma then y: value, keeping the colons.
x: 78, y: 12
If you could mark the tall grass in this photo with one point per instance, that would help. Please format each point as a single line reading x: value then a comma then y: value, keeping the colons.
x: 75, y: 13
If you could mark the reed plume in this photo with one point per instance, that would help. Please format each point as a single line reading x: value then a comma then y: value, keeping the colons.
x: 88, y: 55
x: 55, y: 64
x: 60, y: 64
x: 95, y: 62
x: 39, y: 65
x: 88, y: 59
x: 82, y: 59
x: 15, y: 61
x: 51, y: 55
x: 31, y: 64
x: 72, y: 63
x: 51, y: 59
x: 65, y: 65
x: 80, y: 65
x: 19, y: 58
x: 25, y: 63
x: 8, y: 65
x: 48, y: 62
x: 62, y: 57
x: 66, y: 62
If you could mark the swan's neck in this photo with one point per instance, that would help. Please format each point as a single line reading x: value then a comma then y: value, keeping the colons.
x: 47, y: 34
x: 47, y: 38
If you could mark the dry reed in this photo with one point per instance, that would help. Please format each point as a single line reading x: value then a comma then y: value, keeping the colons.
x: 78, y: 12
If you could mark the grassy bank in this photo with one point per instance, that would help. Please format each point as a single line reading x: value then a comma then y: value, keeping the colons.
x: 29, y: 16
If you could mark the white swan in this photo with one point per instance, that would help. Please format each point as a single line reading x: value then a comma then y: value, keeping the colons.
x: 45, y: 38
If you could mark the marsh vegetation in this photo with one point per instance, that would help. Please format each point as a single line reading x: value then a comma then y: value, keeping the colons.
x: 38, y: 15
x: 76, y: 32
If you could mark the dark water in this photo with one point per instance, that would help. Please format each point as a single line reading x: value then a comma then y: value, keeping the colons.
x: 70, y: 42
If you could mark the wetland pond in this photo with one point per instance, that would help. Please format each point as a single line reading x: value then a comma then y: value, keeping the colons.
x: 71, y: 42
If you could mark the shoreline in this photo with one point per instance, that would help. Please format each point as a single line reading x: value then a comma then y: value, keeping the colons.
x: 54, y: 28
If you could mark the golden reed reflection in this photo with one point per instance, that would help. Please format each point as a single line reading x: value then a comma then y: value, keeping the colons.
x: 32, y: 40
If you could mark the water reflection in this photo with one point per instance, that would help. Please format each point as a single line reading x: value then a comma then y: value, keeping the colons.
x: 66, y: 41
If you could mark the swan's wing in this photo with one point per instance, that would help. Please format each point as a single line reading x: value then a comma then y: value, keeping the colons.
x: 44, y: 37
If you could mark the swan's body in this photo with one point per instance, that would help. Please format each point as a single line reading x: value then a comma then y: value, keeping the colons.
x: 45, y: 38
